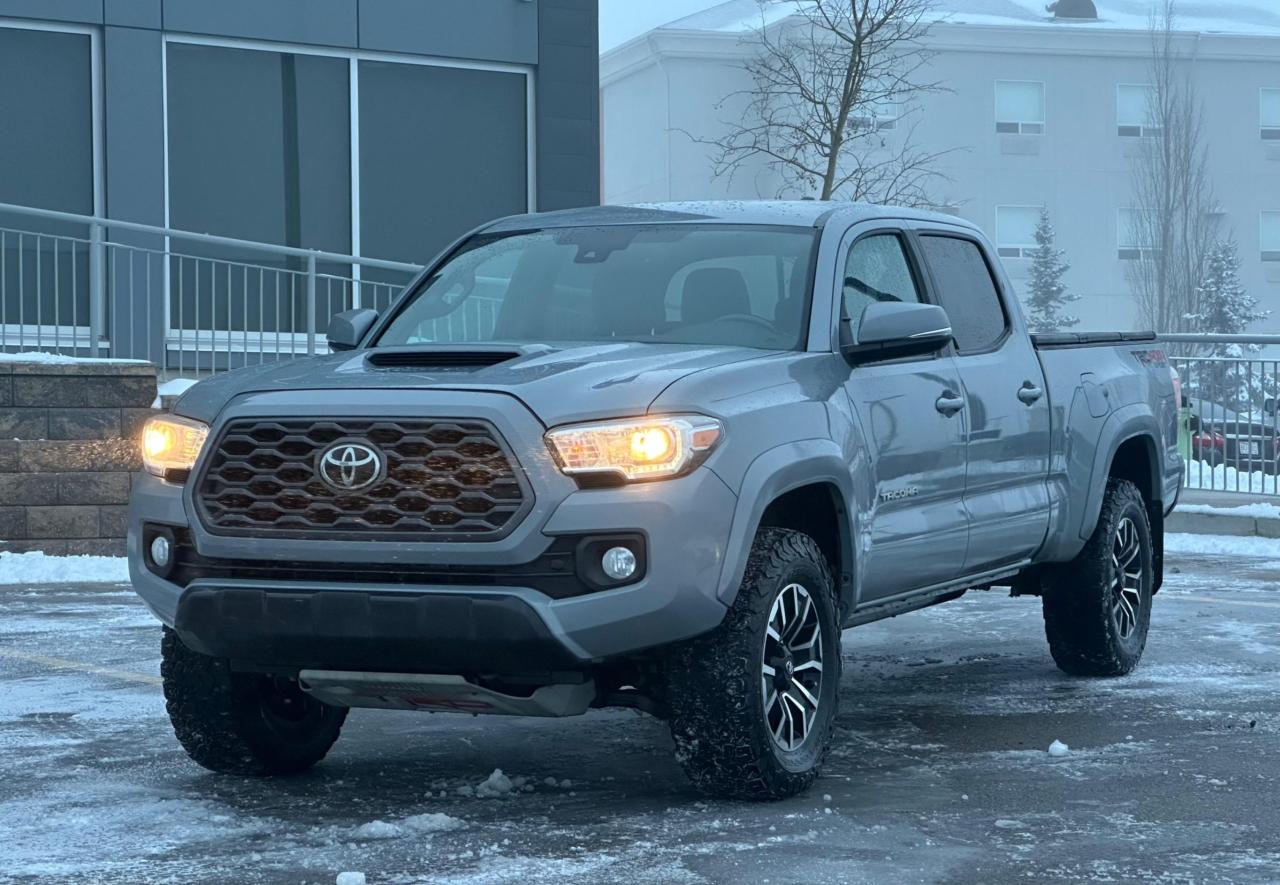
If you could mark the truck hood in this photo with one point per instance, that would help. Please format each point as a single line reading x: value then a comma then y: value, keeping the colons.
x: 558, y: 384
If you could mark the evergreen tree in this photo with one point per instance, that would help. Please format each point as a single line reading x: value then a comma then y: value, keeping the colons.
x: 1224, y: 307
x: 1048, y: 294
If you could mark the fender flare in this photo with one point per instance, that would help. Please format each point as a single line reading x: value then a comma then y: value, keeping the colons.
x: 773, y: 474
x: 1125, y: 424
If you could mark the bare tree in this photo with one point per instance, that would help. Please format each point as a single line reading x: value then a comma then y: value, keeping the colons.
x: 1175, y: 211
x: 831, y: 78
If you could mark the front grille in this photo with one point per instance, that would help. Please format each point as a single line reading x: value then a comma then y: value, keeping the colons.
x: 441, y: 479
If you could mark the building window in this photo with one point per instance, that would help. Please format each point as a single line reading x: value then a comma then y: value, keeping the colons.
x: 261, y: 147
x: 1270, y: 114
x: 1019, y: 107
x: 1132, y: 238
x: 1271, y: 236
x: 1134, y: 111
x: 47, y: 160
x: 1016, y: 230
x: 419, y: 173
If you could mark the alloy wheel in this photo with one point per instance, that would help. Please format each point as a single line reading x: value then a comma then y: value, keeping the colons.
x: 1126, y: 580
x: 791, y: 672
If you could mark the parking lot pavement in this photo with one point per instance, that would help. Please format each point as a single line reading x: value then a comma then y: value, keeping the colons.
x: 939, y: 773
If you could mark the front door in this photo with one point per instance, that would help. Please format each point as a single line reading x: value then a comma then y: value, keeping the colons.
x: 912, y: 414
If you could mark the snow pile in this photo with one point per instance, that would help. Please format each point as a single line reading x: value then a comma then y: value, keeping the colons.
x: 1225, y: 478
x: 40, y: 568
x: 432, y: 823
x: 1058, y: 749
x: 1222, y: 545
x: 60, y: 359
x: 171, y: 390
x: 352, y: 879
x: 1255, y: 511
x: 497, y: 786
x: 375, y: 830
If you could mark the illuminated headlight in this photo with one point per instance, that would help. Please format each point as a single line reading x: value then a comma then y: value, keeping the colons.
x: 644, y: 448
x: 172, y: 443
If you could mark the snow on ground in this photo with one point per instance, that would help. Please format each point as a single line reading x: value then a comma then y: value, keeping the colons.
x: 1258, y: 511
x: 60, y: 359
x: 172, y: 390
x: 1225, y: 478
x: 40, y: 568
x: 1222, y: 545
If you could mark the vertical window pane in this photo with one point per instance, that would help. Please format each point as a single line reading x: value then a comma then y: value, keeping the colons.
x: 1134, y: 105
x: 1016, y: 226
x: 442, y: 150
x: 1271, y: 236
x: 1130, y: 230
x: 46, y: 161
x: 1019, y: 102
x: 259, y: 149
x: 1270, y: 111
x: 970, y: 297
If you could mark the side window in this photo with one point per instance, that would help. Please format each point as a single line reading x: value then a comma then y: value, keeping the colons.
x: 966, y: 291
x: 876, y: 270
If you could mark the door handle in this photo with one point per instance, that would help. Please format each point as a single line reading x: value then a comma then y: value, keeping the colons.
x: 1030, y: 394
x: 949, y: 403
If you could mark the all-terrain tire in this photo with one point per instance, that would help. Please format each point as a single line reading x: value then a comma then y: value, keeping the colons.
x: 243, y: 723
x: 1086, y: 630
x: 718, y: 687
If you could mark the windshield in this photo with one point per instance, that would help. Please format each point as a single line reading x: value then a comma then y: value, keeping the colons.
x: 679, y: 283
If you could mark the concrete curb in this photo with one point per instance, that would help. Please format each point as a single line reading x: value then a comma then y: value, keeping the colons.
x: 1222, y: 524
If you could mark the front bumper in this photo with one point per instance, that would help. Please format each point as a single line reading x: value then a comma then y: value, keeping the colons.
x: 439, y: 627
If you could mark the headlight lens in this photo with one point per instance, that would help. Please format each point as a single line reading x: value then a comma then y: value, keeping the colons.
x: 644, y: 448
x: 172, y: 443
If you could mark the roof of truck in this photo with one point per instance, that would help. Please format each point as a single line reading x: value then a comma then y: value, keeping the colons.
x: 800, y: 213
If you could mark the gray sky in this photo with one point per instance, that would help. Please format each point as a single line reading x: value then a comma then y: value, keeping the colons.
x: 620, y: 20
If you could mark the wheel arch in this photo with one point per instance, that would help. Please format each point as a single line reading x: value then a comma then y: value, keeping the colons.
x: 804, y: 486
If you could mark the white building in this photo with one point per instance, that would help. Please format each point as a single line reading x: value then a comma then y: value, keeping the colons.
x: 1040, y: 113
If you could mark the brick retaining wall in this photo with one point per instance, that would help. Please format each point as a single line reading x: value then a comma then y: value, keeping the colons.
x: 68, y: 449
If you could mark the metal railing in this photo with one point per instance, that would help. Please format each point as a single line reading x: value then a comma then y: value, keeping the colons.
x: 1231, y: 415
x: 189, y: 302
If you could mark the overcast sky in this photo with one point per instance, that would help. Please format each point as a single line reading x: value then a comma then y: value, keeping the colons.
x: 620, y: 20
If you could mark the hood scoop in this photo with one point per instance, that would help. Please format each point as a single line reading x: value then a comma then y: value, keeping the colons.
x: 450, y: 357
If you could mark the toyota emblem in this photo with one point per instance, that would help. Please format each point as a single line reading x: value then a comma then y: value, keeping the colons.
x: 350, y: 467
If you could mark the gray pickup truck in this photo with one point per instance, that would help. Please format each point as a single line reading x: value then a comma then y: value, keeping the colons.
x: 650, y: 456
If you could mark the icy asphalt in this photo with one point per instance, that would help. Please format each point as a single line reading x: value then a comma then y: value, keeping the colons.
x: 940, y: 771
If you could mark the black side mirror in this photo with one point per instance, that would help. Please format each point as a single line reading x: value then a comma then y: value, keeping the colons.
x: 1271, y: 406
x: 893, y: 330
x: 347, y: 329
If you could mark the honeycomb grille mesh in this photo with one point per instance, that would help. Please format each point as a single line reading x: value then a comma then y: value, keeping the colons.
x: 442, y: 479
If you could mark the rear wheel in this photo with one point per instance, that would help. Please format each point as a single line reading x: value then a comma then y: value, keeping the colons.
x: 754, y: 702
x: 1097, y: 608
x: 243, y: 723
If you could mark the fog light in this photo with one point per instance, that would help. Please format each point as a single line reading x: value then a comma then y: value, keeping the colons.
x: 160, y: 551
x: 619, y: 563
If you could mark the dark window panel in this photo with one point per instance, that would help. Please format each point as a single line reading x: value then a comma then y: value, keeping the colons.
x: 442, y: 150
x: 970, y: 296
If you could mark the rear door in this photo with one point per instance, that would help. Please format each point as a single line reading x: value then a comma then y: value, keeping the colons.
x: 1007, y: 432
x: 912, y: 413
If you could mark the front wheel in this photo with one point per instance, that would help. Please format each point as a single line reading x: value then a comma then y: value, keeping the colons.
x: 1097, y: 608
x: 243, y: 723
x: 754, y: 701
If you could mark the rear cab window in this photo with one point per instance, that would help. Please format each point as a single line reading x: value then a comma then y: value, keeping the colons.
x: 967, y: 291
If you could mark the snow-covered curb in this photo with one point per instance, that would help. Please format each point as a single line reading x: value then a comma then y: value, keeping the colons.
x: 1222, y: 545
x: 1257, y: 511
x: 40, y: 568
x: 61, y: 359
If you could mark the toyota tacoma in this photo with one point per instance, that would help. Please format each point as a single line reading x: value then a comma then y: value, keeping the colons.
x: 655, y: 457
